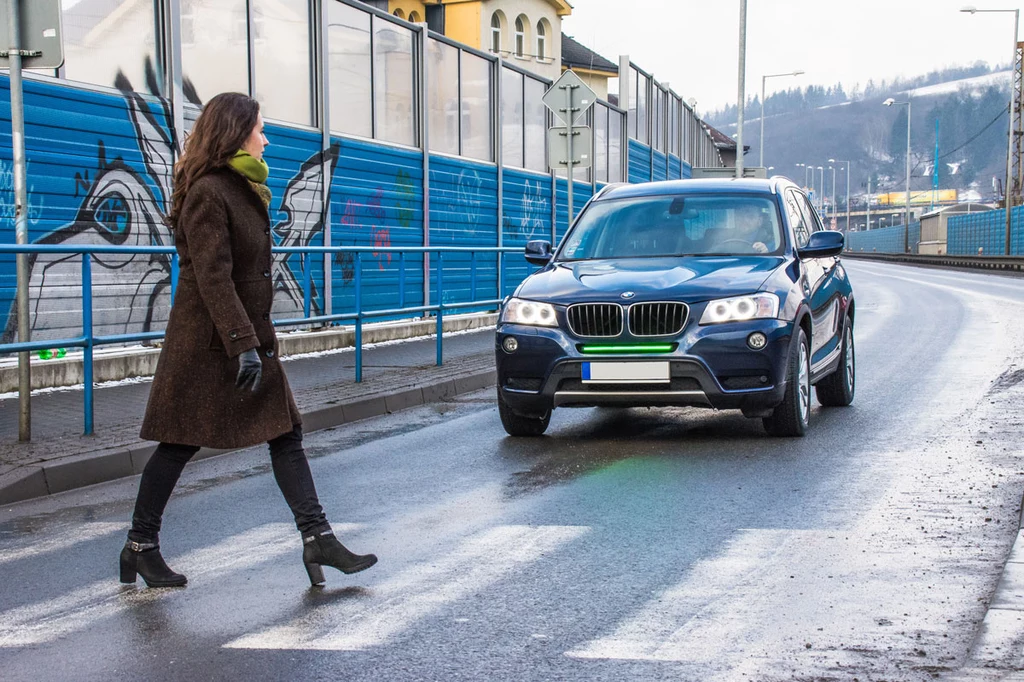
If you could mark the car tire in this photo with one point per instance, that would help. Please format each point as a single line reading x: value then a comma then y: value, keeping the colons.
x: 791, y: 416
x: 518, y: 425
x: 837, y: 389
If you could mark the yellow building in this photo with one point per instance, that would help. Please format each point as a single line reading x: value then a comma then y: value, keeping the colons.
x: 527, y: 33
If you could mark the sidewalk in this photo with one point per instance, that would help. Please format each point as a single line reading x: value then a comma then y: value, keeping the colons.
x: 396, y: 375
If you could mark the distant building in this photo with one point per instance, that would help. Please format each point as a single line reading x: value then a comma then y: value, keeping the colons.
x: 595, y: 70
x: 726, y: 146
x: 526, y: 32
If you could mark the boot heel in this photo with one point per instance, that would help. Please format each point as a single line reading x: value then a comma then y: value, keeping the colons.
x: 315, y: 573
x: 128, y: 571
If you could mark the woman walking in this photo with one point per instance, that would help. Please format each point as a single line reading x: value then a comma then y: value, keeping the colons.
x: 219, y: 382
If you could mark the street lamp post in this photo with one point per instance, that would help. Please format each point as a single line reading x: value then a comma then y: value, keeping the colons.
x: 741, y: 97
x: 906, y: 234
x: 833, y: 169
x: 847, y: 189
x: 1008, y: 193
x: 821, y: 187
x: 760, y: 158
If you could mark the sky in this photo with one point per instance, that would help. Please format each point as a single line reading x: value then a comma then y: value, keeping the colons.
x: 693, y: 44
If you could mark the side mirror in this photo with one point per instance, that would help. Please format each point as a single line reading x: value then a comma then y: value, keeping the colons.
x: 538, y: 252
x: 822, y: 245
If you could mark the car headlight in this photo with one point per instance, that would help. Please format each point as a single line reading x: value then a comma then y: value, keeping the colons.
x: 518, y: 311
x: 740, y: 308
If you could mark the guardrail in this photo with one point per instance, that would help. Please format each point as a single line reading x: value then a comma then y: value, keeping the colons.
x: 88, y: 340
x: 1002, y: 263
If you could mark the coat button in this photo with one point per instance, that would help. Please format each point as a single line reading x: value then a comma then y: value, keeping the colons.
x: 266, y: 231
x: 266, y: 273
x: 233, y: 335
x: 266, y: 316
x: 270, y: 353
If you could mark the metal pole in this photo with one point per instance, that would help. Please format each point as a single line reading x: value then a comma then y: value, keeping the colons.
x: 1009, y: 139
x: 847, y: 196
x: 570, y: 113
x: 740, y: 88
x: 760, y: 155
x: 906, y: 218
x: 20, y: 224
x: 867, y: 212
x: 833, y: 192
x: 821, y: 185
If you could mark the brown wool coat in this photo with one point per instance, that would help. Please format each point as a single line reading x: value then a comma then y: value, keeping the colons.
x: 221, y: 309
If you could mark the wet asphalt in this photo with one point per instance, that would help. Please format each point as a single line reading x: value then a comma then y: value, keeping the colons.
x: 624, y: 545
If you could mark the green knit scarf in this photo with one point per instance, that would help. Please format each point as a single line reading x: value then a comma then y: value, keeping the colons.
x: 255, y: 171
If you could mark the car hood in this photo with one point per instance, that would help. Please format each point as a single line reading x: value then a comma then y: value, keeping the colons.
x: 688, y: 279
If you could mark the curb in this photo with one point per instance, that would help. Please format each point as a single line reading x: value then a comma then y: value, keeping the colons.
x: 77, y: 471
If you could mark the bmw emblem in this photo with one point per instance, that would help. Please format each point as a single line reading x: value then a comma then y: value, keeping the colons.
x: 627, y: 294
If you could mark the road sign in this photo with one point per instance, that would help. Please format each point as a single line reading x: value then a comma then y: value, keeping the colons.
x: 569, y: 93
x: 42, y: 46
x: 581, y: 145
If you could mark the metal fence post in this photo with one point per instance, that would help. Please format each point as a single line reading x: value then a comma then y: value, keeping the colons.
x: 359, y: 316
x: 87, y: 332
x: 440, y: 305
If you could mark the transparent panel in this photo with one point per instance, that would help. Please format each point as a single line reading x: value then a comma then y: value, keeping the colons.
x: 642, y: 109
x: 601, y: 142
x: 512, y: 118
x: 96, y: 49
x: 212, y: 32
x: 536, y: 126
x: 615, y: 122
x: 443, y: 96
x: 673, y: 131
x: 634, y: 82
x: 393, y: 82
x: 348, y: 42
x: 283, y: 59
x: 476, y: 107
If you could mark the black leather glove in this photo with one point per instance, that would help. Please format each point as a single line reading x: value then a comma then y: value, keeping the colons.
x: 250, y: 370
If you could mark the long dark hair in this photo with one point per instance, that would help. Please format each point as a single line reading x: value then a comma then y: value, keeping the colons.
x: 223, y: 126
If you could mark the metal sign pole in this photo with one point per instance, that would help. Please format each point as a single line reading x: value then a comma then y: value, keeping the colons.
x: 20, y: 223
x: 570, y: 113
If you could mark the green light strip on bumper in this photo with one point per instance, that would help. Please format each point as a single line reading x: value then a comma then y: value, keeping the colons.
x: 632, y: 348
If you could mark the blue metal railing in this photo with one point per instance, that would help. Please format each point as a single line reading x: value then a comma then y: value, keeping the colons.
x: 88, y: 340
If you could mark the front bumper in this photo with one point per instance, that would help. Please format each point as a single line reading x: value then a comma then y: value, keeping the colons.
x: 711, y: 366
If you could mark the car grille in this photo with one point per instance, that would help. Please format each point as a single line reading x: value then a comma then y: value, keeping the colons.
x: 657, y: 319
x: 595, y: 319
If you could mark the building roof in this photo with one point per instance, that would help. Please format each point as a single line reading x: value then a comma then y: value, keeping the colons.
x: 575, y: 54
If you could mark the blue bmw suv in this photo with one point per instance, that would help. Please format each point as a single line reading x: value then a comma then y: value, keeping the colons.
x: 726, y: 294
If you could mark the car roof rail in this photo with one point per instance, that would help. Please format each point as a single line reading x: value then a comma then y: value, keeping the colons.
x: 608, y: 187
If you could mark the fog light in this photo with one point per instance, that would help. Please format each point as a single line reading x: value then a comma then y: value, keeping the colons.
x: 510, y: 345
x: 757, y: 341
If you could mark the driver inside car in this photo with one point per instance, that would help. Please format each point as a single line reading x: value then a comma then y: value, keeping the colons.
x: 753, y: 227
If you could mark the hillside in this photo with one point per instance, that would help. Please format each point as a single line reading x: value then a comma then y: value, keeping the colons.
x: 815, y: 124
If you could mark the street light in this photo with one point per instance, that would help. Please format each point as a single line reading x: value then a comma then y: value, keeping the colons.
x: 1009, y: 148
x: 906, y: 235
x: 847, y: 189
x: 821, y: 186
x: 833, y: 169
x: 760, y: 158
x: 741, y: 97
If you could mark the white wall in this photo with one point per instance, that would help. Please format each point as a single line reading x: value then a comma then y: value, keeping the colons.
x: 534, y: 10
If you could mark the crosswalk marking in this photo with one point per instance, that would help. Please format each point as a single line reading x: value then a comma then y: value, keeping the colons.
x: 75, y: 611
x: 689, y: 621
x: 415, y: 593
x: 68, y: 538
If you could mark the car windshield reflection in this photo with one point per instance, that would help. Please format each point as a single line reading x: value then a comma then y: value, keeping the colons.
x: 676, y: 226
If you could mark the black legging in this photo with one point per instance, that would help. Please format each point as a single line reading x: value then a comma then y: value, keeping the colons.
x: 291, y: 470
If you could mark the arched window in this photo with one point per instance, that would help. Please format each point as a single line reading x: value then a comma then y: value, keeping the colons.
x: 400, y: 13
x: 542, y: 40
x: 496, y: 33
x: 520, y: 44
x: 414, y: 17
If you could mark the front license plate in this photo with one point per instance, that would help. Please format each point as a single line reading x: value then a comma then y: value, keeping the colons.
x: 626, y: 372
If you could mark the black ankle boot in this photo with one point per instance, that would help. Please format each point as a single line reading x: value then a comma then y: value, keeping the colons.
x: 323, y: 549
x: 143, y: 558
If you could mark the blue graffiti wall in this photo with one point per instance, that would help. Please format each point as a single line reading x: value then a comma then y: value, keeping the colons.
x: 639, y: 162
x: 884, y: 239
x: 526, y: 215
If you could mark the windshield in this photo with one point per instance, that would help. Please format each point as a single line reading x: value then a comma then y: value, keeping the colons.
x: 691, y: 225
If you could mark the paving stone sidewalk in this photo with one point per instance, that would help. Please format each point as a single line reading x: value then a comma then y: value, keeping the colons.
x: 395, y: 376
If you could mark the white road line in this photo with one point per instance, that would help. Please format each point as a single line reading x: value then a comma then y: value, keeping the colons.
x: 46, y: 621
x: 66, y: 538
x: 417, y: 592
x: 683, y: 623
